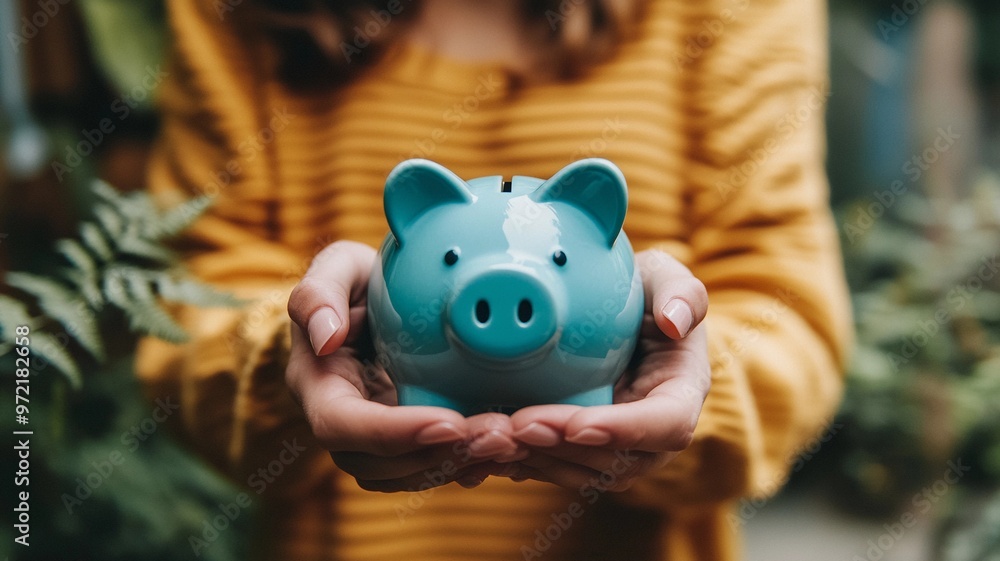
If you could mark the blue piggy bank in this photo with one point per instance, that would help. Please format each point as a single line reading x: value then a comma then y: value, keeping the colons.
x: 496, y: 295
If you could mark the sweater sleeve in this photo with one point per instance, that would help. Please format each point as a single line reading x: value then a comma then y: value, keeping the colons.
x: 764, y: 243
x: 229, y: 376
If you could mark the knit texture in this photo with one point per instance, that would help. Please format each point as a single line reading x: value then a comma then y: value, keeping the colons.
x: 713, y: 110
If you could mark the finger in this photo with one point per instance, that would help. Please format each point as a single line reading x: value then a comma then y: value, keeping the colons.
x: 589, y: 482
x: 683, y: 363
x: 342, y: 419
x: 432, y: 461
x: 469, y: 477
x: 600, y: 459
x: 662, y: 418
x: 556, y: 471
x: 321, y: 303
x: 542, y: 426
x: 490, y: 436
x: 660, y: 422
x: 305, y: 370
x: 489, y: 439
x: 344, y: 422
x: 677, y: 300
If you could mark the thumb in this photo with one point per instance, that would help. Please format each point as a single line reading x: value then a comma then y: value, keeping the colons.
x: 677, y: 300
x: 320, y: 304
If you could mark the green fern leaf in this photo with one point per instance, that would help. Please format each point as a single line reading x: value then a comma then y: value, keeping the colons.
x: 171, y: 222
x: 113, y: 286
x: 177, y: 289
x: 91, y: 291
x: 87, y: 284
x: 77, y: 255
x: 150, y: 319
x: 128, y: 288
x: 146, y: 315
x: 109, y: 219
x: 95, y: 241
x: 65, y: 307
x: 139, y: 206
x: 139, y: 247
x: 52, y: 351
x: 104, y: 190
x: 134, y: 208
x: 13, y: 313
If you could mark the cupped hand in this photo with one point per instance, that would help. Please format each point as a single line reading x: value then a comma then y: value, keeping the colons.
x: 656, y: 405
x: 350, y: 402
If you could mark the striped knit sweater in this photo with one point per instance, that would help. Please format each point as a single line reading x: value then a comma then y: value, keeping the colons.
x: 713, y: 110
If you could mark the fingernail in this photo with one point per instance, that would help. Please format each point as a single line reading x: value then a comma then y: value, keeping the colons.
x: 323, y: 324
x: 537, y: 434
x: 470, y: 481
x: 439, y: 433
x: 490, y: 444
x: 590, y: 437
x: 678, y: 313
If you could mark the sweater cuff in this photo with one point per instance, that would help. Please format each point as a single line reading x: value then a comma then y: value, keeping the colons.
x: 230, y: 383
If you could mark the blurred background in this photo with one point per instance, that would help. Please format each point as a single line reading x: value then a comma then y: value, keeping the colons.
x: 909, y: 470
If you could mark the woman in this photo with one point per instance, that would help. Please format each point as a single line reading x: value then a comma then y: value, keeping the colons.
x: 293, y: 114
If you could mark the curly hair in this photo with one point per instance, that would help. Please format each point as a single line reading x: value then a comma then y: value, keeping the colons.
x: 321, y: 43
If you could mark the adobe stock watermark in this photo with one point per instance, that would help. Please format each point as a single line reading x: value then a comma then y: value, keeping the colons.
x: 921, y: 503
x: 610, y: 132
x: 914, y: 169
x: 590, y: 492
x: 956, y: 300
x: 753, y: 330
x: 558, y: 16
x: 247, y: 151
x: 902, y: 13
x: 376, y: 23
x: 225, y: 7
x: 709, y: 32
x: 32, y: 24
x: 784, y: 129
x: 433, y: 478
x: 131, y: 440
x: 121, y: 107
x: 750, y: 506
x: 595, y: 318
x: 455, y: 116
x: 213, y: 526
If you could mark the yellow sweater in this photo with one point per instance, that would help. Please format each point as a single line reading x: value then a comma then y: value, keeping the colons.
x: 713, y: 110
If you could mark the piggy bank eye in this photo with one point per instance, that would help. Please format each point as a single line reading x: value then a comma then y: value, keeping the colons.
x: 559, y: 258
x: 451, y: 257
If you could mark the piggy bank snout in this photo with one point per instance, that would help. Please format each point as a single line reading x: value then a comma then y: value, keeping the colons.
x: 503, y: 314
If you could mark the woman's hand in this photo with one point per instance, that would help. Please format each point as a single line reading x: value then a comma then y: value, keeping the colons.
x: 656, y: 405
x: 349, y: 401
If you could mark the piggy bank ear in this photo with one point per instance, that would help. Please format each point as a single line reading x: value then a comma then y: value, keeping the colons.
x: 416, y: 186
x: 595, y: 186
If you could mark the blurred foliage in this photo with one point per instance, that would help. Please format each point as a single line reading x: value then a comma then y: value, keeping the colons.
x: 972, y: 534
x: 923, y: 387
x: 103, y: 478
x: 127, y: 36
x: 118, y: 264
x: 146, y: 505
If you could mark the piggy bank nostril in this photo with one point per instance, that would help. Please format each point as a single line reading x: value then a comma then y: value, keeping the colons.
x: 482, y: 311
x: 524, y: 311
